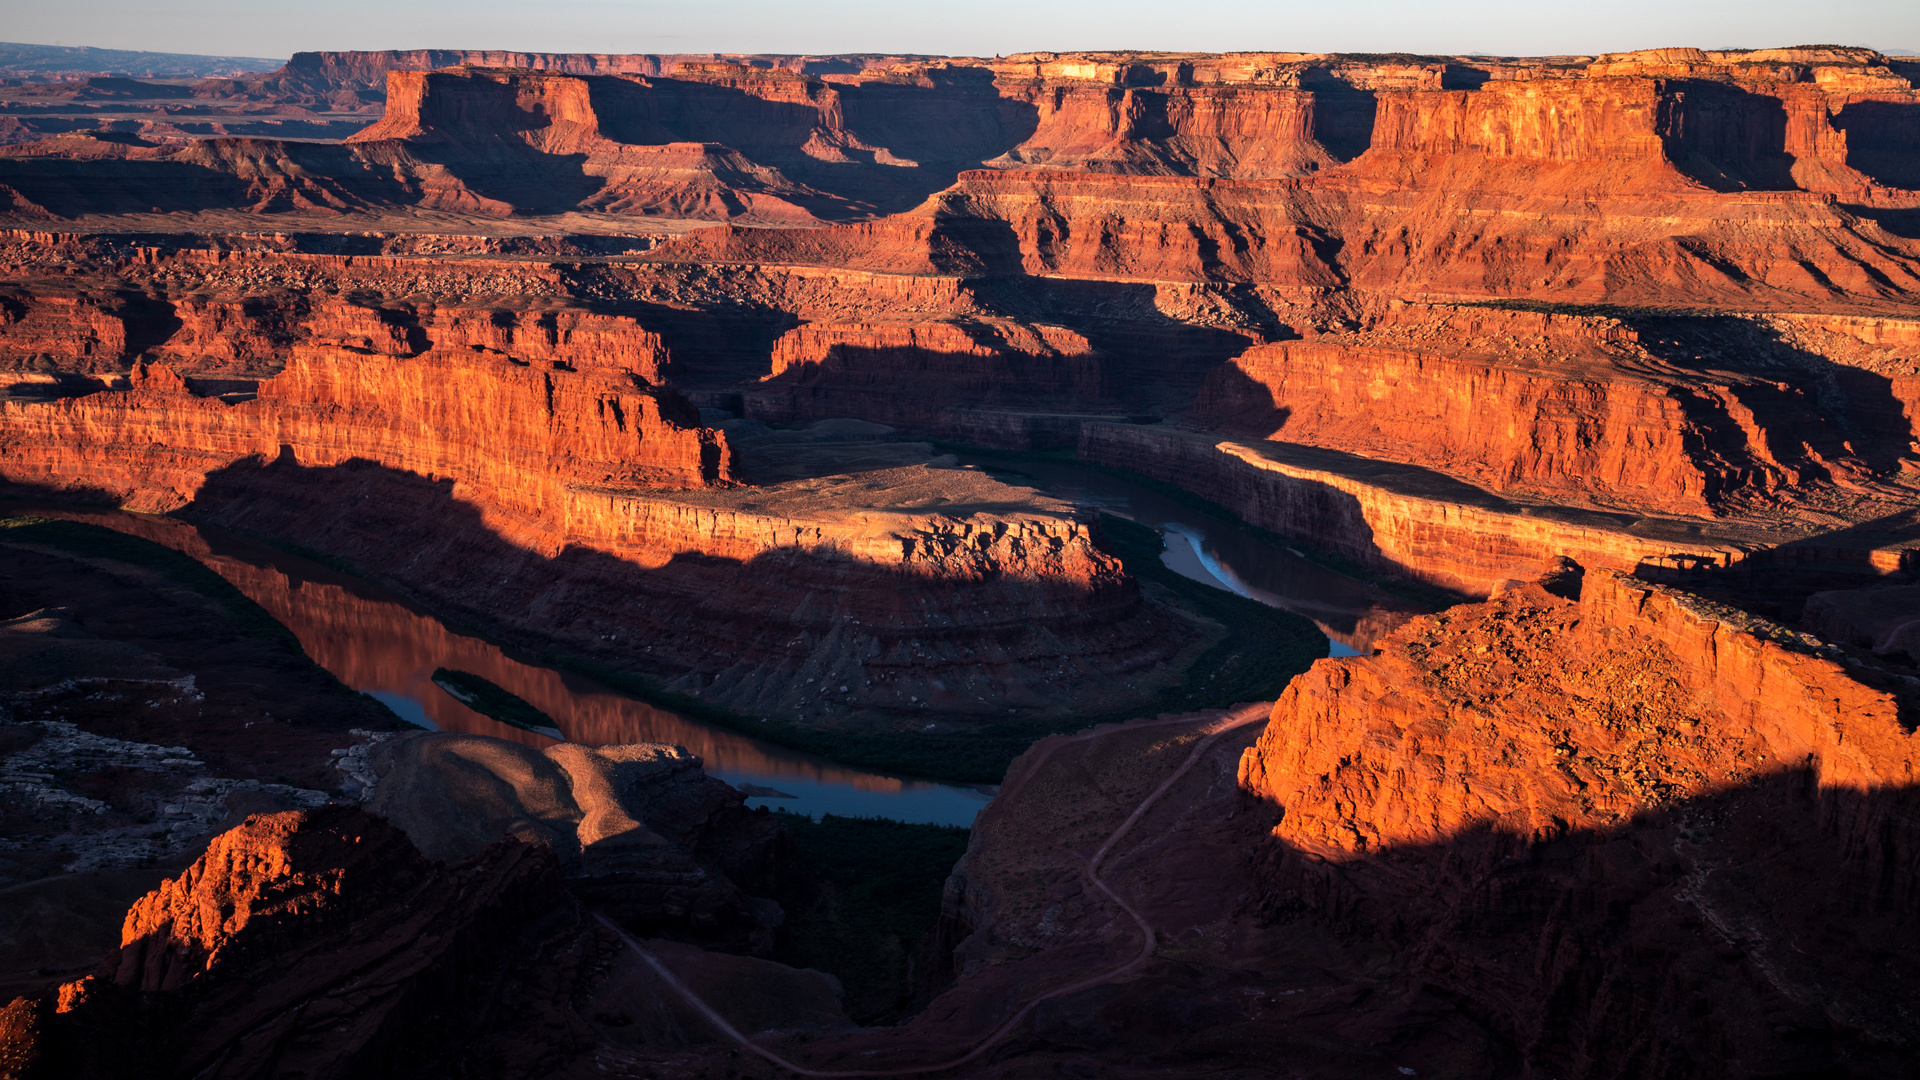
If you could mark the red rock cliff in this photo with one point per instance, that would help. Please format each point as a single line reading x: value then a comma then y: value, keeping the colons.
x: 1636, y: 774
x: 516, y: 436
x: 320, y: 942
x: 1561, y: 408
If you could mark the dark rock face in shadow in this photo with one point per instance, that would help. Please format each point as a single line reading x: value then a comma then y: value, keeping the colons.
x: 744, y: 635
x: 321, y: 942
x: 1729, y: 138
x: 1881, y: 136
x: 640, y: 832
x: 1679, y: 945
x: 1633, y: 834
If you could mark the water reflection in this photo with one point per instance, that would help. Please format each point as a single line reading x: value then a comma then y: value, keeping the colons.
x: 1351, y: 613
x: 376, y: 642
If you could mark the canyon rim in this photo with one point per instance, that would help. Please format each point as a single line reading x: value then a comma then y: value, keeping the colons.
x: 1245, y: 564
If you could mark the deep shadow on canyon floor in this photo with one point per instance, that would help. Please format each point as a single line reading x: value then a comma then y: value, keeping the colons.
x: 900, y: 419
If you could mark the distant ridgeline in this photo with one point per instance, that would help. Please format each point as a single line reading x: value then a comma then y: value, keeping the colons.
x: 21, y: 61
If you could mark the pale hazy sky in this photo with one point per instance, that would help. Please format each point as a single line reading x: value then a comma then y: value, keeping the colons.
x: 958, y: 27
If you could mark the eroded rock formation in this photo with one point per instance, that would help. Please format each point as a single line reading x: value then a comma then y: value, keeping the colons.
x: 638, y: 830
x: 632, y: 357
x: 1339, y: 263
x: 322, y: 941
x: 1635, y: 773
x: 1566, y: 408
x: 522, y: 435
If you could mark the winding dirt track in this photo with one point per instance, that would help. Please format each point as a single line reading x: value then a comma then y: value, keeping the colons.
x: 1239, y: 718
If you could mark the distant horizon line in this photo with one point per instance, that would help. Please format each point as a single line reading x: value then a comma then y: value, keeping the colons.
x: 1889, y: 52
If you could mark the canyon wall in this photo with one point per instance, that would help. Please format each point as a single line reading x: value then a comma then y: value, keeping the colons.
x: 755, y: 139
x: 980, y: 380
x: 1404, y: 521
x: 517, y: 435
x: 1572, y: 414
x: 1023, y: 251
x: 321, y: 941
x: 239, y: 314
x: 579, y: 507
x: 331, y: 72
x: 1635, y: 773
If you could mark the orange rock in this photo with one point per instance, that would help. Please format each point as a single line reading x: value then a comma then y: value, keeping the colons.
x: 319, y: 942
x: 1531, y: 715
x: 1556, y: 421
x: 1407, y: 521
x: 263, y: 886
x: 1609, y: 827
x: 914, y: 374
x: 438, y: 414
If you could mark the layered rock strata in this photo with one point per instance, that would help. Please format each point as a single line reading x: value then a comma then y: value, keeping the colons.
x: 1084, y: 236
x: 580, y: 492
x: 436, y: 414
x: 322, y: 941
x: 998, y: 382
x: 904, y: 590
x: 1405, y: 521
x: 723, y: 139
x: 1632, y: 773
x: 1567, y: 409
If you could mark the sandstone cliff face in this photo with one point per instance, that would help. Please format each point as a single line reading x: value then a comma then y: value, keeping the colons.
x: 1406, y: 521
x: 1304, y: 242
x: 331, y: 73
x: 261, y: 880
x: 1246, y: 132
x: 914, y: 374
x: 321, y: 942
x: 532, y: 497
x: 438, y: 414
x: 1635, y: 770
x: 754, y: 140
x: 1554, y: 407
x: 546, y: 147
x: 251, y: 334
x: 917, y: 614
x: 1706, y: 701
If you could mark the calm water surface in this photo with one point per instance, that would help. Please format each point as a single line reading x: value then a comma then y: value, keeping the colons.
x: 376, y: 642
x: 1226, y: 556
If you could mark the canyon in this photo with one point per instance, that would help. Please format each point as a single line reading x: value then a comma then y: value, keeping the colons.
x: 739, y: 382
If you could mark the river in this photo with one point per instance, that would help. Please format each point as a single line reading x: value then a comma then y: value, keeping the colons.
x: 1225, y: 555
x: 380, y: 644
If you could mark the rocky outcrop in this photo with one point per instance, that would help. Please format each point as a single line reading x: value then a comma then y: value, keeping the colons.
x: 593, y: 502
x: 1406, y: 521
x: 144, y: 705
x: 437, y: 414
x: 768, y: 601
x: 229, y: 336
x: 1249, y: 132
x: 328, y: 75
x: 1632, y: 773
x: 786, y: 140
x: 911, y: 374
x: 321, y: 941
x: 1559, y: 408
x: 547, y: 147
x: 640, y: 831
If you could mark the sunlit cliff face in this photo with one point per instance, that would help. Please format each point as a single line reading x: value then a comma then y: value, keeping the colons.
x: 739, y: 376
